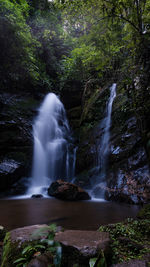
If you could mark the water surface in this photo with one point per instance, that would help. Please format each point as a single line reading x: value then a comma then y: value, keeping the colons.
x: 82, y: 215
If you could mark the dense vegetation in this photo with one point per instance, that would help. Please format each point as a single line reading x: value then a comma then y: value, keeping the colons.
x: 44, y: 43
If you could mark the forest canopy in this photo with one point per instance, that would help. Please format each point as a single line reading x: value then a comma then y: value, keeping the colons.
x: 46, y: 43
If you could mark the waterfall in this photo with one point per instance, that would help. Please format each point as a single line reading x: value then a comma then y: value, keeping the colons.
x: 54, y: 152
x: 106, y: 123
x: 103, y: 145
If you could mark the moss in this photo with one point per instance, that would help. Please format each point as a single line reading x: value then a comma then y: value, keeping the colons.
x: 144, y: 213
x: 24, y: 104
x: 130, y: 240
x: 87, y: 112
x: 74, y: 113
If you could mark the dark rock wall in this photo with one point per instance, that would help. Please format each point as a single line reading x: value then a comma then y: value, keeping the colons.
x: 16, y: 117
x: 128, y: 176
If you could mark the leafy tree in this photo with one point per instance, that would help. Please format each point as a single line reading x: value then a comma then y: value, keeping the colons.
x: 110, y: 37
x: 46, y: 28
x: 18, y: 62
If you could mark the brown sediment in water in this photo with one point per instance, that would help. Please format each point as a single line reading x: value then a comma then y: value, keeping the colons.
x: 81, y: 215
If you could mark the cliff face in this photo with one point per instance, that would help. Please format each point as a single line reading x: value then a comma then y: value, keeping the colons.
x: 128, y: 177
x: 16, y: 116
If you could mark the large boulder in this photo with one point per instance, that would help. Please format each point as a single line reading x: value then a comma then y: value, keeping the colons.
x: 78, y: 247
x: 67, y: 191
x: 18, y: 239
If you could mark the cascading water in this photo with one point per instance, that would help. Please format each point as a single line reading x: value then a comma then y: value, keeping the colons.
x: 103, y: 146
x: 106, y: 123
x: 54, y: 153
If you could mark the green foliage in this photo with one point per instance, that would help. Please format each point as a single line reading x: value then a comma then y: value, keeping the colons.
x: 100, y: 261
x: 46, y: 28
x: 130, y: 239
x: 18, y: 62
x: 31, y: 43
x: 44, y: 46
x: 28, y: 253
x: 9, y: 251
x: 144, y: 213
x: 110, y: 39
x: 45, y: 244
x: 92, y: 262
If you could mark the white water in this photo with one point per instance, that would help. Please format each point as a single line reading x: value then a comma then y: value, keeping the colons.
x: 106, y: 123
x: 103, y: 146
x: 54, y: 154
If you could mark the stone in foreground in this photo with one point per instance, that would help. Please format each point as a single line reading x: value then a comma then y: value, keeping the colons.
x: 78, y: 247
x: 15, y: 239
x: 67, y: 191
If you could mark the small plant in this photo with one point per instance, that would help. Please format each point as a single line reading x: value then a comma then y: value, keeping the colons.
x: 37, y: 247
x: 28, y: 253
x: 100, y: 261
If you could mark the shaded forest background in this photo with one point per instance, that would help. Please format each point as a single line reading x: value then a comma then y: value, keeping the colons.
x: 44, y: 44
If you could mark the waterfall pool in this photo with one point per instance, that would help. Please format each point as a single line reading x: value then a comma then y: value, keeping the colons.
x: 81, y: 215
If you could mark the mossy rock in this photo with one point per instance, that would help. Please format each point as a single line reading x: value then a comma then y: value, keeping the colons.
x: 130, y: 240
x: 144, y: 213
x: 74, y: 113
x: 87, y: 114
x: 16, y: 240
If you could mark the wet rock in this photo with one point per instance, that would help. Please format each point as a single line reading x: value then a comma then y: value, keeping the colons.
x: 44, y: 260
x: 16, y: 116
x: 79, y: 246
x: 129, y: 186
x: 10, y: 171
x: 72, y: 94
x: 37, y: 196
x: 128, y: 173
x: 24, y: 234
x: 67, y: 191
